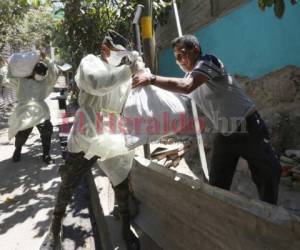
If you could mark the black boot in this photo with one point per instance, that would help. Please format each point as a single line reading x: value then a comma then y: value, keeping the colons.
x: 46, y: 129
x: 53, y: 239
x: 46, y: 143
x: 17, y: 154
x: 134, y: 208
x: 51, y: 242
x: 122, y: 195
x: 21, y: 138
x: 132, y: 243
x: 47, y: 159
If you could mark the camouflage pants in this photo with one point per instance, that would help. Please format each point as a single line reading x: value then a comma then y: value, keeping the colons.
x: 71, y: 174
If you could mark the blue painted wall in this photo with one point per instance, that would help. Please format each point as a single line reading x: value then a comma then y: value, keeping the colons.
x: 249, y: 42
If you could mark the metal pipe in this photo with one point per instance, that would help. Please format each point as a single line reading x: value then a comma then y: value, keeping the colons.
x: 177, y: 18
x: 138, y: 47
x: 147, y: 36
x: 136, y: 27
x: 148, y: 47
x: 194, y: 109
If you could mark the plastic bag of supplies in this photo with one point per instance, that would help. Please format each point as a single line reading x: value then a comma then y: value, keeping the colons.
x: 151, y: 113
x: 22, y: 64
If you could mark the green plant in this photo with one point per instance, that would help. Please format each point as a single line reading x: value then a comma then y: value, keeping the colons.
x: 278, y: 6
x: 86, y: 22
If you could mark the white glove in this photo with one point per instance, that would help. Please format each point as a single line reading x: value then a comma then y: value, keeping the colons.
x: 137, y: 62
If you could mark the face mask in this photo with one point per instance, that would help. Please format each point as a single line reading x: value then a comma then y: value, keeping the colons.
x: 115, y: 57
x: 38, y: 77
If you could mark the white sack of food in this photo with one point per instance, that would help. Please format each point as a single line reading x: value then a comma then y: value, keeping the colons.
x: 22, y: 64
x: 151, y: 113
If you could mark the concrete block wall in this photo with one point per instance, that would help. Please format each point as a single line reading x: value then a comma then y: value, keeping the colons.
x: 178, y: 212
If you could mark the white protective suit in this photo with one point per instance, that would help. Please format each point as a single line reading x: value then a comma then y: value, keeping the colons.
x: 103, y: 91
x: 3, y: 74
x: 31, y: 108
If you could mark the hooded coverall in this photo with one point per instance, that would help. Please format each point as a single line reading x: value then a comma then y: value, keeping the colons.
x: 103, y: 91
x: 31, y: 109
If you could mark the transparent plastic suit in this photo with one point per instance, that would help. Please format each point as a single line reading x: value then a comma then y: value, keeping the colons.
x: 3, y: 74
x: 31, y: 108
x: 103, y: 91
x: 99, y: 129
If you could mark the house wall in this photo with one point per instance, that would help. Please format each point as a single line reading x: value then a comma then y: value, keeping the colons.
x: 250, y: 42
x: 194, y: 15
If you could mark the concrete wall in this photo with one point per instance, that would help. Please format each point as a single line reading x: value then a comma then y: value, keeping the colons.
x: 249, y: 42
x: 277, y: 97
x: 180, y: 213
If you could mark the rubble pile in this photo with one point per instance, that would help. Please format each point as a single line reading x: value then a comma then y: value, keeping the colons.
x: 290, y: 163
x: 171, y: 156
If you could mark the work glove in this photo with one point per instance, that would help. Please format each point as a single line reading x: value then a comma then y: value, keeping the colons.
x: 136, y: 62
x: 137, y: 66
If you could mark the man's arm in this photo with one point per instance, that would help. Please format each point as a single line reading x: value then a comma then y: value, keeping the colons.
x: 179, y: 85
x: 97, y: 78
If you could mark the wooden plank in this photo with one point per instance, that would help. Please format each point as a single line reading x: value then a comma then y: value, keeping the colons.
x: 176, y: 162
x: 161, y: 153
x: 158, y: 152
x: 168, y: 163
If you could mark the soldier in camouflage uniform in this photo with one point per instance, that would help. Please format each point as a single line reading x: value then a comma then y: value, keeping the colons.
x: 78, y: 163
